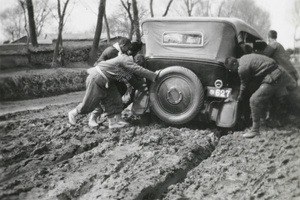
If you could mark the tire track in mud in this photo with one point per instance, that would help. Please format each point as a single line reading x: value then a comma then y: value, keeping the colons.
x: 265, y: 167
x: 52, y: 152
x: 59, y: 161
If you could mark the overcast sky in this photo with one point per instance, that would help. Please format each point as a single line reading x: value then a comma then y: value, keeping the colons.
x: 84, y: 16
x: 281, y: 19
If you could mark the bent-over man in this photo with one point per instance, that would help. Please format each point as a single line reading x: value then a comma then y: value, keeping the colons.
x: 99, y: 88
x: 274, y: 83
x: 121, y: 47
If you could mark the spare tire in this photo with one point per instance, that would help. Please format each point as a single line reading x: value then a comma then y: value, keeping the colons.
x: 177, y: 95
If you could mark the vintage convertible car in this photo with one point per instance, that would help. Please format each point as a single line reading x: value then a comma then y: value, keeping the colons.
x: 193, y: 83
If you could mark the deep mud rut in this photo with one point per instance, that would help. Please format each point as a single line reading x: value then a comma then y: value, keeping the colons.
x: 43, y: 157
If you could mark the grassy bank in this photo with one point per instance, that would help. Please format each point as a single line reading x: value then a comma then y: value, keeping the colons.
x: 30, y: 84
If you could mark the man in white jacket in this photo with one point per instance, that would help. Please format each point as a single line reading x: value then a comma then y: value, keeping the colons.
x: 99, y: 89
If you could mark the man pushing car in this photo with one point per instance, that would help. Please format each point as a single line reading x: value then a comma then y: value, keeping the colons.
x: 273, y: 82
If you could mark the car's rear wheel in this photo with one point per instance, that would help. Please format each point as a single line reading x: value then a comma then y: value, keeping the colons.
x: 177, y: 95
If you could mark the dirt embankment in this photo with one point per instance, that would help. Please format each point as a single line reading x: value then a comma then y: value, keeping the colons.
x: 43, y: 157
x: 38, y: 83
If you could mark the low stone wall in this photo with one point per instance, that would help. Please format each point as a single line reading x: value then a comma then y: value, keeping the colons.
x: 7, y: 61
x: 41, y: 80
x: 16, y: 55
x: 41, y: 57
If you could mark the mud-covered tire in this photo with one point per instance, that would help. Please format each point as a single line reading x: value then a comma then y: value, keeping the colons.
x: 177, y: 95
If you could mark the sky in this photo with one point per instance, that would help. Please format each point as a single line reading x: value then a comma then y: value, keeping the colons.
x: 281, y: 19
x: 84, y: 16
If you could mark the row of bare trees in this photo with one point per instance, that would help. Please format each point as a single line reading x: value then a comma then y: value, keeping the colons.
x: 14, y: 20
x: 35, y: 18
x: 125, y: 22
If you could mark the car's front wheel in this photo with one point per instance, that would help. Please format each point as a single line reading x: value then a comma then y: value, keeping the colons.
x: 177, y: 95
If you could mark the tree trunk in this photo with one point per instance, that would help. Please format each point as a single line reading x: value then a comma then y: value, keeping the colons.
x: 94, y: 50
x: 25, y: 22
x: 167, y: 9
x: 136, y: 23
x: 151, y: 8
x: 32, y: 30
x: 127, y: 8
x: 57, y: 44
x: 107, y: 28
x: 61, y: 16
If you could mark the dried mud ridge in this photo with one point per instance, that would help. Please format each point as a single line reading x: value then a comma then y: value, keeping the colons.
x: 43, y: 157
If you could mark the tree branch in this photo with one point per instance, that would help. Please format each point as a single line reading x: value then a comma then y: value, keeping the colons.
x: 151, y: 8
x: 167, y: 9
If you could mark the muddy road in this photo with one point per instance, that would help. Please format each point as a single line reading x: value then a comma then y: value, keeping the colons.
x: 43, y: 157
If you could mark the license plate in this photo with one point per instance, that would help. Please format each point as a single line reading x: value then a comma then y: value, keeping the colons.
x: 220, y: 93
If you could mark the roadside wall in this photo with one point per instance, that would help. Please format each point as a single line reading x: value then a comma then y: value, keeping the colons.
x: 41, y: 80
x: 14, y: 56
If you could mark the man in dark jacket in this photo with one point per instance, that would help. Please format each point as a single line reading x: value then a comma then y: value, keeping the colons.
x: 121, y: 47
x: 273, y: 83
x: 276, y: 51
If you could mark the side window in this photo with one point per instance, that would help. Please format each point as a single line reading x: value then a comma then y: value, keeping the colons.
x: 183, y: 38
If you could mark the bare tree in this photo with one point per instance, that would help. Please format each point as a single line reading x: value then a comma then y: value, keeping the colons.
x: 203, y: 8
x: 219, y: 10
x: 107, y: 28
x: 151, y: 8
x: 190, y: 4
x: 127, y: 7
x: 12, y: 21
x: 94, y: 50
x: 23, y: 6
x: 248, y: 11
x: 131, y: 20
x: 167, y: 8
x: 33, y: 37
x: 41, y: 14
x: 121, y: 23
x: 136, y: 23
x: 166, y: 11
x: 61, y: 16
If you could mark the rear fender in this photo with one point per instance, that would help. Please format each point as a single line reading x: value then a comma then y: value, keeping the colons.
x: 228, y: 114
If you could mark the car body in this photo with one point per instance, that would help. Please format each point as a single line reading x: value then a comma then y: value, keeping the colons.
x: 190, y: 53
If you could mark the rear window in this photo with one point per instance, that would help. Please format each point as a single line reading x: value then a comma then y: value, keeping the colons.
x: 183, y: 38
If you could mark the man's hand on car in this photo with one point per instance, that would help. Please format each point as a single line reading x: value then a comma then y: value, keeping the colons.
x: 143, y: 88
x: 230, y: 99
x: 157, y: 72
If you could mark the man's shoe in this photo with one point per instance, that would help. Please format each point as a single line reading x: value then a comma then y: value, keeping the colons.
x: 120, y: 120
x: 93, y: 120
x: 250, y: 134
x: 72, y: 116
x: 113, y: 123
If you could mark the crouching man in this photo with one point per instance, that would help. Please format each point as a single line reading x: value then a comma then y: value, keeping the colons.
x: 273, y: 83
x: 99, y: 89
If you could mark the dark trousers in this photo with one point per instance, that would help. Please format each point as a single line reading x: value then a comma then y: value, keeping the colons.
x: 277, y: 90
